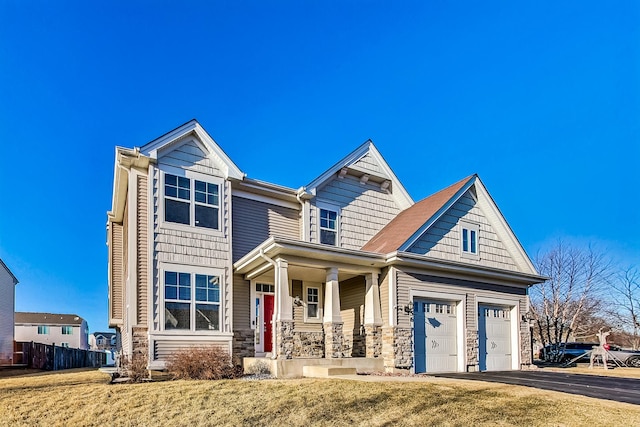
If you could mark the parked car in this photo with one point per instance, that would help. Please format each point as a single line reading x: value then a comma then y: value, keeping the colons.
x: 571, y: 350
x: 566, y: 351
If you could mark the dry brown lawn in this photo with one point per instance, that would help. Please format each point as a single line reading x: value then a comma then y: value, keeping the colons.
x: 85, y: 398
x: 614, y: 372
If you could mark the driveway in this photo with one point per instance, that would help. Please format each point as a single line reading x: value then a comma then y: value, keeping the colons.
x: 619, y: 389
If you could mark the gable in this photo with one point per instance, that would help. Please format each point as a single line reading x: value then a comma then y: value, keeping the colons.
x: 194, y: 148
x: 367, y: 165
x: 443, y: 240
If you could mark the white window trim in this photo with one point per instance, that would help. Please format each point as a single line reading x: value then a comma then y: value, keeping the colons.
x: 179, y: 268
x: 330, y: 207
x: 253, y: 297
x: 306, y: 318
x: 471, y: 227
x: 192, y: 176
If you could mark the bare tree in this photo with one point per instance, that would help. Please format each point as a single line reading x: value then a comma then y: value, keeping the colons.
x: 626, y: 296
x: 564, y: 305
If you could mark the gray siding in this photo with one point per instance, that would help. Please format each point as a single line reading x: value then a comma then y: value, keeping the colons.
x: 298, y: 311
x: 190, y: 156
x: 443, y: 238
x: 242, y: 303
x: 142, y: 278
x: 7, y: 307
x: 368, y: 163
x: 116, y: 302
x: 364, y: 210
x: 384, y: 296
x: 352, y: 304
x: 408, y: 281
x: 254, y: 222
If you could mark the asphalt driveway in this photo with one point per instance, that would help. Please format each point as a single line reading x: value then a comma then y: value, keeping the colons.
x: 619, y: 389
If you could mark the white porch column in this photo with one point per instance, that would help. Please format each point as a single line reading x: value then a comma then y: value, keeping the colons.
x: 332, y: 297
x: 372, y: 311
x: 284, y: 303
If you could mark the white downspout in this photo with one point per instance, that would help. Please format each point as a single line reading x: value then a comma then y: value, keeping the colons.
x: 275, y: 335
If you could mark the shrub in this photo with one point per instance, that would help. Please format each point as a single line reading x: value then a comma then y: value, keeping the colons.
x: 202, y: 363
x: 134, y: 368
x: 259, y: 367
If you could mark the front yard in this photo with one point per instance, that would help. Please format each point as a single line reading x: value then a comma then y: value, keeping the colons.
x: 86, y: 398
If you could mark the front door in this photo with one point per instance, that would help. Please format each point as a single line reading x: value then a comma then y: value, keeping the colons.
x: 268, y: 323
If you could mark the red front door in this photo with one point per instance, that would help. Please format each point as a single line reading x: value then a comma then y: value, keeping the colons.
x: 268, y: 326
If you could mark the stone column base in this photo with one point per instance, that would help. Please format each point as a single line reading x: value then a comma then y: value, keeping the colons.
x: 397, y: 349
x: 284, y: 342
x: 373, y: 340
x: 333, y: 340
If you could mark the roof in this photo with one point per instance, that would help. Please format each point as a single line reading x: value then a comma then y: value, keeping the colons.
x: 2, y: 264
x: 108, y: 335
x: 48, y: 318
x: 408, y: 222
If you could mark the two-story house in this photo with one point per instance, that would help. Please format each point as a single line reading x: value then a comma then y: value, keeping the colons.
x: 8, y: 284
x: 65, y: 330
x: 347, y: 270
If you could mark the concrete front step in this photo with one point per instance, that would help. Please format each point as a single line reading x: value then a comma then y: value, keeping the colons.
x: 319, y: 371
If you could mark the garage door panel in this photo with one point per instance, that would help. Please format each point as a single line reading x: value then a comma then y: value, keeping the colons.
x: 435, y: 336
x: 494, y: 329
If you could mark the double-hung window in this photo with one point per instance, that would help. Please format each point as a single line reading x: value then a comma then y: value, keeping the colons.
x: 469, y: 239
x: 328, y: 226
x: 191, y: 202
x: 67, y: 330
x: 191, y: 301
x: 43, y: 330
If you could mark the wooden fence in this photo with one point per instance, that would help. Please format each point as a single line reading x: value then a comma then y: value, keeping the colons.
x: 53, y: 358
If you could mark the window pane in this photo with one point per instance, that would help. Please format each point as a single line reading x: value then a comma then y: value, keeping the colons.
x: 212, y: 199
x: 207, y: 317
x: 328, y: 237
x: 170, y: 292
x: 176, y: 315
x: 170, y: 278
x: 201, y: 197
x: 206, y: 217
x: 312, y: 310
x: 184, y: 293
x: 175, y: 211
x: 183, y: 194
x: 465, y: 240
x: 201, y: 294
x: 201, y: 186
x: 324, y: 223
x: 185, y: 279
x: 473, y: 241
x: 183, y: 182
x: 170, y: 191
x: 171, y: 180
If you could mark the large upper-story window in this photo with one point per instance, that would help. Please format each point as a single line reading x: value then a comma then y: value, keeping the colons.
x: 328, y: 226
x: 191, y: 301
x: 191, y: 202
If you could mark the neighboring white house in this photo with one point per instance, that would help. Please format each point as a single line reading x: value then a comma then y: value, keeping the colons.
x: 65, y: 330
x: 8, y: 283
x: 102, y: 341
x: 347, y: 270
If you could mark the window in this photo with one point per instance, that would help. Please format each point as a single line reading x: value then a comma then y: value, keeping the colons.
x: 313, y: 302
x: 64, y: 344
x: 469, y: 239
x: 191, y: 301
x: 43, y: 330
x: 263, y: 287
x: 328, y: 227
x: 191, y: 202
x: 67, y: 330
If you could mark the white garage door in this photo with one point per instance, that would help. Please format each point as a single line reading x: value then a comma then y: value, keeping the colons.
x: 435, y: 337
x: 494, y: 335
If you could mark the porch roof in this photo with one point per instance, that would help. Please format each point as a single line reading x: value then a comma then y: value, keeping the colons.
x: 319, y: 255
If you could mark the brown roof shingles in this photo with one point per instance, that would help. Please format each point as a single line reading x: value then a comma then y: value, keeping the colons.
x: 407, y: 222
x: 47, y: 319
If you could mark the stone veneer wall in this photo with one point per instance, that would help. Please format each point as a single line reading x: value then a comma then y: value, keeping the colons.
x: 285, y: 340
x: 140, y: 341
x: 334, y: 340
x: 473, y: 345
x: 373, y: 341
x: 243, y: 343
x: 525, y: 346
x: 308, y: 344
x: 397, y: 348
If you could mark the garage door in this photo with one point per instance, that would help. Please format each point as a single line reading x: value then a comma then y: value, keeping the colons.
x: 494, y: 336
x: 435, y: 340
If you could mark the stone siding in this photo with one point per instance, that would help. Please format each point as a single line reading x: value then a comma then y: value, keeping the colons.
x: 334, y: 340
x: 373, y: 341
x: 525, y: 346
x: 140, y: 341
x: 285, y: 341
x: 473, y: 346
x: 243, y: 343
x: 397, y: 348
x: 308, y: 344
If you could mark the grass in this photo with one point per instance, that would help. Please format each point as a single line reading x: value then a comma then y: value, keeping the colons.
x: 599, y: 370
x: 86, y: 398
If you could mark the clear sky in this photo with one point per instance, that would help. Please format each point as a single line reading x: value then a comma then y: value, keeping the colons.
x: 542, y: 100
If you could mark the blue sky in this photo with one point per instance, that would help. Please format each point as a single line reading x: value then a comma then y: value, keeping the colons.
x: 541, y: 100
